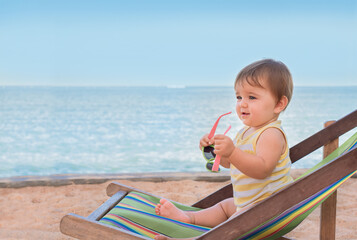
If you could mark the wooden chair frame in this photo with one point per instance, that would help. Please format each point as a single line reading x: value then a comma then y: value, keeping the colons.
x: 89, y: 227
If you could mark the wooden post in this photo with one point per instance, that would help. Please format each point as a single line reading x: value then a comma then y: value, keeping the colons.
x: 328, y: 207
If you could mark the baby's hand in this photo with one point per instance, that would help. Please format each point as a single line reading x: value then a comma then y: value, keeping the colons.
x: 205, y: 141
x: 223, y: 145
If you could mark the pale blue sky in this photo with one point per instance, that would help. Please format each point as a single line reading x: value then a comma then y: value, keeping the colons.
x: 160, y: 43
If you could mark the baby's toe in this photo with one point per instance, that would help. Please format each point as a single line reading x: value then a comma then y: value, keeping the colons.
x: 157, y: 209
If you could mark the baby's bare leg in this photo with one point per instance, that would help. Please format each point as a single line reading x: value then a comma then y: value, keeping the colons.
x: 209, y: 217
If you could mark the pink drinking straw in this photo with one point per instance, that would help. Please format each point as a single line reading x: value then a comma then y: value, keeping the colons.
x: 213, y: 130
x: 217, y: 161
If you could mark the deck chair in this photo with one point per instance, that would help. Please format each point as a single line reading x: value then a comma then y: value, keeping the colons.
x: 128, y: 214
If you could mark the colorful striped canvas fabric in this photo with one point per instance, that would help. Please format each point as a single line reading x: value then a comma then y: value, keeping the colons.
x: 136, y: 212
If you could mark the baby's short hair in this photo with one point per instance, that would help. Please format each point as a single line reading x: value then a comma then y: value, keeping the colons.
x: 276, y: 74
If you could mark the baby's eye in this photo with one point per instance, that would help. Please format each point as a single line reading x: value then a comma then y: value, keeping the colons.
x: 252, y: 97
x: 239, y: 97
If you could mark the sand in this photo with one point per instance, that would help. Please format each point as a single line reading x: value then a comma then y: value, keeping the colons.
x: 35, y: 212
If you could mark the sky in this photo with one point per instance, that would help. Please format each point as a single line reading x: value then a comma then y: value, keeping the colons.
x: 174, y: 43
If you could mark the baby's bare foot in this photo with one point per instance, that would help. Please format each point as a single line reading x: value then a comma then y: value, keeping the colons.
x: 168, y: 209
x: 161, y: 237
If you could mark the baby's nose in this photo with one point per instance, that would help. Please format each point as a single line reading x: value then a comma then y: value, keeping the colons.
x: 243, y: 103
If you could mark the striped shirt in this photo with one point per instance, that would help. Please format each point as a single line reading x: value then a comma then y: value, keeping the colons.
x: 247, y: 190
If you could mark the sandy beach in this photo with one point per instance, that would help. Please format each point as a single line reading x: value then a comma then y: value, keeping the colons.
x: 35, y: 212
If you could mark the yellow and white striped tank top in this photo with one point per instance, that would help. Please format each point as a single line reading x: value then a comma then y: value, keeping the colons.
x: 247, y: 190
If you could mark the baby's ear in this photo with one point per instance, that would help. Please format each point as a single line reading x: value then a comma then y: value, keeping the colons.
x: 281, y: 104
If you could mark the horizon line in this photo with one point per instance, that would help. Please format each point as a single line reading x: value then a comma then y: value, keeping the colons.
x: 181, y: 86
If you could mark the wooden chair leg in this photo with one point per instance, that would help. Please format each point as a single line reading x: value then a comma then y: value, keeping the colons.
x: 328, y: 218
x: 328, y: 207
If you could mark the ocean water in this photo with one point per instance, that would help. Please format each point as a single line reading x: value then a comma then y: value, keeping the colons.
x: 55, y: 130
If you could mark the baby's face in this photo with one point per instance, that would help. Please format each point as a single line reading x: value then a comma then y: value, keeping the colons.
x: 256, y: 106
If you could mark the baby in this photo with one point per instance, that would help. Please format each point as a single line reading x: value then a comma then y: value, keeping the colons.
x: 258, y: 157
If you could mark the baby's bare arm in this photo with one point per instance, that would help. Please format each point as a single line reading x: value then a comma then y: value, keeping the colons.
x: 270, y: 146
x: 225, y: 162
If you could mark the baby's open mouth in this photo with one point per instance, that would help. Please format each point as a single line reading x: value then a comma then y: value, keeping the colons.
x: 245, y: 113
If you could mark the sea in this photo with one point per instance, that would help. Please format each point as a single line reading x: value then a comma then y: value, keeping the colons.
x: 86, y: 130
